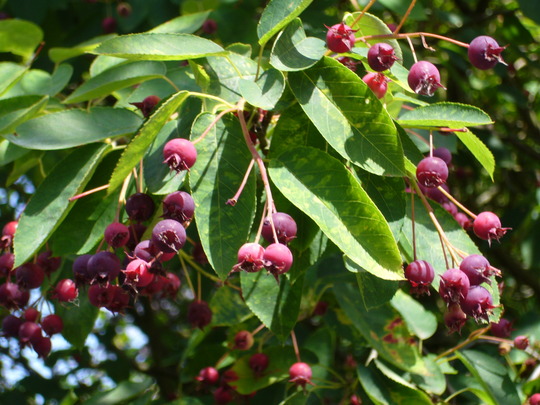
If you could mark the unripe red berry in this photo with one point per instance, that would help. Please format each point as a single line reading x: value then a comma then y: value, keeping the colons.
x: 138, y: 273
x: 52, y: 324
x: 243, y: 340
x: 116, y: 234
x: 377, y: 82
x: 180, y: 154
x: 171, y: 285
x: 277, y: 259
x: 521, y: 342
x: 454, y: 286
x: 250, y: 258
x: 420, y: 274
x: 199, y: 314
x: 431, y: 172
x: 208, y: 375
x: 484, y: 52
x: 463, y: 220
x: 340, y: 38
x: 424, y: 78
x: 140, y: 207
x: 10, y: 228
x: 381, y: 56
x: 534, y: 399
x: 65, y: 290
x: 300, y: 374
x: 258, y: 363
x: 169, y: 236
x: 487, y: 226
x: 31, y: 314
x: 478, y: 303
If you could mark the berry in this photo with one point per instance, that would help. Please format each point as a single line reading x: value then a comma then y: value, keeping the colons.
x: 424, y: 78
x: 138, y: 273
x: 431, y: 172
x: 454, y: 286
x: 80, y: 270
x: 169, y: 236
x: 381, y: 56
x: 534, y: 399
x: 119, y: 299
x: 29, y: 330
x: 11, y: 325
x: 48, y: 263
x: 136, y: 232
x: 420, y: 274
x: 477, y: 268
x: 179, y: 206
x: 243, y: 340
x: 147, y: 105
x: 250, y: 258
x: 6, y: 263
x: 377, y: 82
x: 103, y: 267
x: 258, y: 363
x: 199, y: 314
x: 223, y: 395
x: 116, y: 235
x: 484, y: 52
x: 171, y: 285
x: 477, y: 303
x: 52, y: 324
x: 100, y: 296
x: 285, y: 228
x: 462, y: 220
x: 140, y: 207
x: 209, y: 26
x: 354, y: 400
x: 444, y: 154
x: 277, y: 259
x: 198, y: 254
x: 10, y: 228
x: 300, y: 374
x: 436, y: 194
x: 31, y: 314
x: 124, y: 9
x: 450, y: 207
x: 42, y: 345
x: 487, y: 226
x: 501, y: 329
x: 180, y: 154
x: 229, y: 376
x: 320, y: 308
x: 108, y: 24
x: 65, y: 291
x: 12, y: 296
x: 454, y: 318
x: 348, y: 62
x: 208, y: 375
x: 340, y: 38
x: 147, y: 251
x: 521, y: 342
x: 29, y: 275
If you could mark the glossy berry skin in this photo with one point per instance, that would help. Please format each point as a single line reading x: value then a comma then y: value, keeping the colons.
x: 477, y: 268
x: 29, y: 330
x: 65, y: 291
x: 436, y: 194
x: 484, y: 52
x: 147, y: 105
x: 31, y: 314
x: 179, y: 154
x: 521, y: 342
x: 487, y: 226
x: 432, y: 172
x: 103, y: 267
x: 534, y: 399
x: 277, y: 259
x: 454, y: 286
x: 29, y: 275
x: 454, y: 318
x: 424, y: 78
x: 12, y: 296
x: 285, y: 228
x: 377, y: 82
x: 444, y: 154
x: 6, y: 263
x: 243, y: 340
x: 199, y: 314
x: 381, y: 56
x: 140, y: 207
x: 42, y: 345
x: 116, y: 234
x: 501, y: 329
x: 258, y: 363
x: 208, y: 375
x: 300, y: 374
x: 10, y: 228
x: 52, y: 324
x: 169, y: 236
x: 478, y: 303
x: 340, y: 38
x: 179, y: 206
x: 138, y: 273
x: 420, y: 274
x: 250, y: 258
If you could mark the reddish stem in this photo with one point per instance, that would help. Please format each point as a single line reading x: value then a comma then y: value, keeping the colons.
x: 94, y: 190
x: 234, y: 200
x: 412, y: 35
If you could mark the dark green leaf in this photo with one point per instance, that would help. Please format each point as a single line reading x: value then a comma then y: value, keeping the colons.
x: 451, y: 115
x: 19, y: 37
x: 479, y: 150
x: 276, y: 15
x: 65, y: 129
x: 266, y: 91
x: 349, y: 116
x: 530, y: 10
x: 14, y: 111
x: 228, y: 308
x: 78, y: 319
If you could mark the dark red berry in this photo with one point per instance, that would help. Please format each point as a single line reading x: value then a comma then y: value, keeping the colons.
x: 277, y: 259
x: 199, y: 314
x: 521, y: 342
x: 477, y: 268
x: 180, y: 154
x: 147, y: 251
x: 534, y: 399
x: 258, y: 363
x: 350, y: 63
x: 454, y: 318
x: 320, y: 308
x: 48, y: 263
x: 140, y: 207
x: 124, y: 9
x: 52, y: 324
x: 340, y: 38
x: 29, y: 275
x: 209, y: 26
x: 31, y: 314
x: 104, y: 267
x: 119, y: 299
x: 11, y: 325
x: 136, y: 232
x: 100, y: 296
x: 381, y: 56
x: 463, y: 220
x: 12, y: 296
x: 484, y: 52
x: 138, y: 273
x: 208, y: 375
x: 354, y: 400
x: 431, y: 172
x: 454, y: 286
x: 42, y: 345
x: 65, y: 291
x: 229, y: 376
x: 147, y: 105
x: 300, y: 374
x: 501, y: 329
x: 444, y: 154
x: 377, y: 82
x: 179, y: 206
x: 487, y: 226
x: 250, y: 258
x: 424, y: 78
x: 6, y: 263
x: 285, y: 228
x: 420, y: 274
x: 116, y: 234
x: 108, y: 24
x: 198, y: 254
x: 243, y: 340
x: 169, y: 236
x: 80, y: 270
x: 478, y: 303
x: 223, y: 395
x: 29, y: 330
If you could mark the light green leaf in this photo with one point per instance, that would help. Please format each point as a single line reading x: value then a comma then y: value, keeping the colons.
x: 123, y: 393
x: 14, y: 111
x: 325, y: 190
x: 266, y: 91
x: 19, y: 37
x: 420, y: 321
x: 479, y: 150
x: 10, y: 73
x: 58, y: 55
x: 10, y: 152
x: 185, y: 24
x: 59, y: 79
x: 276, y: 15
x: 349, y: 116
x: 65, y: 129
x: 294, y: 51
x: 158, y: 47
x: 116, y: 78
x: 450, y: 115
x: 50, y: 205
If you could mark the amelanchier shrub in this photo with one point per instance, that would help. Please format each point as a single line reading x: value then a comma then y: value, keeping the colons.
x: 261, y: 212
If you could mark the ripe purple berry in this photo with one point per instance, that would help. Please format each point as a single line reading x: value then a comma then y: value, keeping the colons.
x: 179, y: 206
x: 454, y: 286
x: 501, y: 329
x: 29, y: 275
x: 180, y: 154
x: 169, y: 236
x: 340, y: 38
x: 209, y: 26
x: 11, y: 325
x: 103, y: 267
x: 140, y: 207
x: 6, y: 263
x: 277, y: 259
x: 381, y: 56
x: 80, y: 270
x: 431, y: 172
x: 487, y: 226
x: 116, y: 234
x: 477, y: 268
x: 29, y: 330
x: 285, y: 228
x: 199, y: 314
x: 377, y: 82
x: 147, y: 105
x: 31, y: 314
x: 420, y: 274
x: 454, y: 318
x: 478, y: 303
x: 484, y: 52
x: 12, y: 296
x: 424, y: 78
x: 300, y: 374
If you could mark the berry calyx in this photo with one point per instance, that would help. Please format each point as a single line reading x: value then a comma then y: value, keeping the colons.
x: 484, y: 52
x: 138, y: 273
x: 180, y: 154
x: 285, y: 228
x: 80, y: 270
x: 277, y: 259
x: 116, y: 234
x: 477, y: 268
x: 424, y: 78
x: 147, y: 105
x: 478, y: 303
x: 350, y: 63
x: 454, y: 286
x: 140, y: 207
x: 169, y: 236
x: 12, y: 296
x: 381, y: 56
x: 300, y: 374
x: 199, y: 314
x: 487, y: 226
x: 179, y: 206
x: 250, y: 258
x: 377, y: 82
x: 103, y: 267
x: 340, y: 38
x: 420, y: 274
x: 431, y: 172
x: 208, y: 375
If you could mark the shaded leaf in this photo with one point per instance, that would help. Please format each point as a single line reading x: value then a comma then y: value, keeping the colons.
x: 479, y: 150
x: 228, y: 308
x: 420, y: 321
x: 266, y: 91
x: 14, y: 111
x: 451, y: 115
x: 78, y: 319
x: 276, y: 15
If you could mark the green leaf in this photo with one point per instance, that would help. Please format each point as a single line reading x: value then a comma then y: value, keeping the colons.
x: 349, y: 116
x: 125, y: 391
x: 294, y: 51
x: 185, y: 24
x: 276, y: 305
x: 10, y: 152
x: 158, y: 47
x: 58, y: 55
x: 228, y: 308
x: 138, y: 146
x: 14, y: 111
x: 49, y: 205
x: 492, y: 375
x: 78, y: 319
x: 19, y: 37
x: 451, y: 115
x: 10, y: 73
x: 276, y: 15
x: 222, y: 161
x: 266, y: 91
x: 59, y: 79
x: 325, y: 190
x: 420, y: 321
x: 479, y: 150
x: 116, y: 78
x: 66, y: 129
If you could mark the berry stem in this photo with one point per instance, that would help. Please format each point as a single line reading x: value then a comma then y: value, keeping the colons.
x: 475, y: 334
x: 209, y: 96
x: 261, y: 223
x: 412, y: 35
x: 140, y: 182
x: 88, y: 192
x: 364, y: 11
x: 413, y: 227
x: 212, y: 124
x: 234, y: 200
x: 295, y: 346
x: 122, y: 197
x: 405, y: 16
x: 188, y: 279
x: 430, y: 144
x: 412, y: 50
x: 258, y: 329
x: 199, y: 293
x: 189, y: 259
x: 451, y: 198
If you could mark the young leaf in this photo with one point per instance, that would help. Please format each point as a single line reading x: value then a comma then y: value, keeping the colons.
x: 49, y: 205
x: 324, y: 189
x: 19, y: 37
x: 349, y: 116
x: 185, y: 24
x: 14, y: 111
x: 58, y: 55
x: 479, y: 150
x: 266, y: 91
x: 276, y: 15
x: 451, y: 115
x: 10, y: 73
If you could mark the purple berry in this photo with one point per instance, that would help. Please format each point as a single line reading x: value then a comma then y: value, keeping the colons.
x: 6, y: 263
x: 169, y: 236
x: 180, y: 154
x: 11, y: 325
x: 478, y: 303
x: 250, y: 258
x: 484, y: 52
x: 42, y: 345
x: 147, y: 105
x: 199, y: 314
x: 454, y: 286
x: 381, y: 56
x: 12, y: 296
x: 487, y: 226
x: 377, y: 82
x: 444, y: 154
x: 258, y: 363
x: 436, y: 194
x: 424, y: 78
x: 501, y: 329
x: 147, y: 251
x: 108, y: 24
x: 277, y: 259
x: 420, y: 274
x: 140, y: 207
x: 454, y: 318
x: 477, y: 268
x: 29, y: 275
x: 116, y: 235
x: 431, y: 172
x: 209, y: 26
x: 340, y: 38
x: 285, y: 228
x: 351, y: 64
x: 29, y: 330
x: 103, y: 267
x: 179, y: 206
x: 300, y: 374
x: 80, y: 270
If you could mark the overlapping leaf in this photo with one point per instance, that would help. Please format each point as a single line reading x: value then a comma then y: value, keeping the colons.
x: 264, y: 92
x: 479, y: 150
x: 19, y: 37
x: 276, y: 15
x: 14, y: 111
x: 451, y: 115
